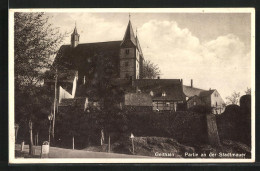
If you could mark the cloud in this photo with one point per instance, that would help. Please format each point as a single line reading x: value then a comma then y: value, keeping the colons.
x: 222, y: 63
x: 90, y: 27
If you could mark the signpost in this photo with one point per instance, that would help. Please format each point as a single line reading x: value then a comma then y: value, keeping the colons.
x: 45, y: 149
x: 132, y: 137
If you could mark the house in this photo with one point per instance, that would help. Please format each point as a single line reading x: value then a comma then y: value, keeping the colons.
x: 210, y: 98
x: 158, y: 94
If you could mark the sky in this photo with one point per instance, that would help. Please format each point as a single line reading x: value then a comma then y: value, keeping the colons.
x: 213, y: 49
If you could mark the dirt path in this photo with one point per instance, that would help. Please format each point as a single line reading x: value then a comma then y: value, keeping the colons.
x: 56, y: 152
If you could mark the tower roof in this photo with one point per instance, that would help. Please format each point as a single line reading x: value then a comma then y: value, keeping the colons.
x: 129, y: 34
x: 75, y: 32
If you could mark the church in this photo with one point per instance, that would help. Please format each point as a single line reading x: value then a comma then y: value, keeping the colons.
x: 80, y: 66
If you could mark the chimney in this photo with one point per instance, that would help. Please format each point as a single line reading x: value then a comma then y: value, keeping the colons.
x: 191, y: 83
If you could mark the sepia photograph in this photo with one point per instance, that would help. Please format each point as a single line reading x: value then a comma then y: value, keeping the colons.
x: 132, y: 85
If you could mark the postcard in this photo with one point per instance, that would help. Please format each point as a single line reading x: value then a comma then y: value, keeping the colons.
x: 146, y: 85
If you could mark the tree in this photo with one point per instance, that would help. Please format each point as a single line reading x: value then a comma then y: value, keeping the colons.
x: 248, y: 91
x: 150, y: 70
x: 35, y: 42
x: 234, y: 98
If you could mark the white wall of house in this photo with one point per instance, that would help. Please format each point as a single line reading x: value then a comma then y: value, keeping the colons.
x: 63, y: 94
x: 217, y: 102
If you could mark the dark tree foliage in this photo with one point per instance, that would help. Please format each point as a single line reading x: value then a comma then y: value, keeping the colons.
x: 150, y: 70
x: 35, y: 43
x: 201, y: 109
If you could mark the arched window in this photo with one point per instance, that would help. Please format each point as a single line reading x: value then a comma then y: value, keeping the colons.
x: 127, y: 51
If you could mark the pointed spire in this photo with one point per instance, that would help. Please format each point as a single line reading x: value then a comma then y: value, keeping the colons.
x: 129, y: 34
x: 75, y: 37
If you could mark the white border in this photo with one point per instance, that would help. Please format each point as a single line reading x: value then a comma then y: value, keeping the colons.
x: 13, y: 160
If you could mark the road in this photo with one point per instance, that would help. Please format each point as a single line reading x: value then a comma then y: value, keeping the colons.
x: 56, y: 152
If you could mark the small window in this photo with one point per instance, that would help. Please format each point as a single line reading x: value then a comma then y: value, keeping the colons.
x: 163, y: 94
x: 126, y: 64
x: 127, y: 51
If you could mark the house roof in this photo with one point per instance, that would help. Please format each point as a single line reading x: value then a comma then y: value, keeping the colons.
x: 172, y: 88
x: 206, y: 93
x: 191, y: 91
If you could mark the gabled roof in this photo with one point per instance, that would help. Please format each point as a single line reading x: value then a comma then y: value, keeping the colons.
x: 129, y: 38
x: 191, y: 91
x: 84, y: 56
x: 206, y: 93
x: 172, y: 88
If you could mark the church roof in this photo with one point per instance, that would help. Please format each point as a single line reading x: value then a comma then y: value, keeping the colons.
x: 75, y: 32
x: 85, y: 56
x: 138, y: 45
x: 129, y: 38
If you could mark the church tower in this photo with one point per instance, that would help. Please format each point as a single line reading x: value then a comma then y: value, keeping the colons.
x: 129, y: 55
x: 74, y: 38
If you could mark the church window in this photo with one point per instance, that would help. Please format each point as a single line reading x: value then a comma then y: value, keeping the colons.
x: 194, y: 103
x: 126, y: 64
x: 127, y: 51
x: 216, y: 104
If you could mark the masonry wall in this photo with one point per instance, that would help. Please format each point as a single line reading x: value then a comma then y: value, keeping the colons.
x: 130, y: 59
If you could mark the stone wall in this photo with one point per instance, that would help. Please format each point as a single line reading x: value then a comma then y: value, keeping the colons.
x: 235, y: 122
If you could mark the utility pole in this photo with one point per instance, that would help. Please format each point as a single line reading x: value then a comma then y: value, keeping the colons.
x: 55, y: 101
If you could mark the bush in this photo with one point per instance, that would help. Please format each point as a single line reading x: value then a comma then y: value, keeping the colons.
x: 201, y: 109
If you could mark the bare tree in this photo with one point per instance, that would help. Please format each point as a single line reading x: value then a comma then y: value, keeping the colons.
x: 150, y: 70
x: 35, y: 41
x: 234, y: 98
x: 248, y: 91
